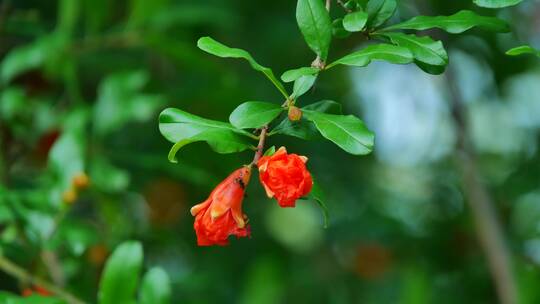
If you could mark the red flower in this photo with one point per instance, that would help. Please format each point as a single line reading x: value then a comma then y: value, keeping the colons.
x: 285, y: 177
x: 27, y: 292
x: 221, y: 214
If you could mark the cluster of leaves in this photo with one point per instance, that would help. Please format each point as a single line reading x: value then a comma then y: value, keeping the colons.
x: 368, y: 18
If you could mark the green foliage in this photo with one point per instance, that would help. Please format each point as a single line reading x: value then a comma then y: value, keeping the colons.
x: 254, y: 114
x: 156, y: 287
x: 348, y: 132
x: 496, y: 3
x: 455, y: 24
x: 316, y: 26
x: 292, y: 75
x: 428, y: 54
x: 302, y: 85
x: 523, y: 49
x: 121, y: 274
x: 379, y: 11
x: 355, y: 21
x: 386, y: 52
x: 213, y: 47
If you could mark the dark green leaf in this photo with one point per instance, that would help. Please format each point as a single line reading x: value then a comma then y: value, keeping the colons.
x: 496, y: 3
x: 316, y: 26
x: 68, y: 13
x: 304, y: 128
x: 338, y: 30
x: 355, y: 22
x: 455, y: 24
x: 302, y: 85
x: 379, y: 11
x: 386, y: 52
x: 213, y: 47
x: 121, y: 274
x: 523, y: 49
x: 156, y: 287
x: 317, y: 195
x: 424, y: 49
x: 348, y: 132
x: 292, y: 75
x: 254, y: 114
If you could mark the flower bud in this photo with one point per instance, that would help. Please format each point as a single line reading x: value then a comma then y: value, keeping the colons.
x: 295, y: 114
x: 69, y: 196
x: 81, y: 181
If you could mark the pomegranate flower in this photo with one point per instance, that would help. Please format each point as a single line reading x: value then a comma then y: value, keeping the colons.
x: 221, y: 214
x: 285, y: 177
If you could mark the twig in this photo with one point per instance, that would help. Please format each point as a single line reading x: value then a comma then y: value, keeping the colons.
x: 488, y: 227
x: 12, y: 269
x: 260, y: 146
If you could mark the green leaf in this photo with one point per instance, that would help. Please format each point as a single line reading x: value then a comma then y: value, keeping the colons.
x: 386, y: 52
x: 175, y: 125
x: 302, y: 85
x: 318, y: 196
x: 213, y: 47
x: 455, y: 24
x: 338, y: 30
x: 156, y: 287
x: 270, y: 151
x: 424, y: 49
x: 254, y: 114
x: 496, y: 3
x: 316, y: 26
x: 379, y: 11
x: 348, y: 132
x: 221, y: 141
x: 121, y: 274
x: 292, y: 75
x: 523, y: 49
x: 183, y: 128
x: 30, y: 56
x: 305, y: 129
x: 355, y: 22
x: 119, y: 101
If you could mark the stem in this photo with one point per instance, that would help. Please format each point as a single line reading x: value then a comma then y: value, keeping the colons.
x: 328, y: 2
x: 260, y: 146
x: 12, y: 269
x: 488, y: 228
x: 343, y: 6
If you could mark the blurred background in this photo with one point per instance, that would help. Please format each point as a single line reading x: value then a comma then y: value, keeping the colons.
x: 83, y: 82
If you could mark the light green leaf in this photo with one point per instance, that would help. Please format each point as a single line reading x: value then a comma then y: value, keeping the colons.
x: 254, y: 114
x: 175, y: 125
x: 302, y: 85
x: 305, y: 129
x: 379, y: 11
x: 424, y: 49
x: 183, y: 128
x: 221, y: 141
x: 270, y: 151
x: 523, y: 49
x: 455, y: 24
x: 121, y: 274
x: 355, y: 22
x: 156, y: 287
x: 496, y: 3
x: 292, y: 75
x: 348, y: 132
x: 213, y: 47
x: 30, y: 56
x: 120, y: 101
x: 386, y: 52
x: 316, y: 26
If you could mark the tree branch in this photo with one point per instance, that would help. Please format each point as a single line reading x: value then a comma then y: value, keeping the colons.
x: 260, y: 146
x: 488, y: 228
x: 14, y: 270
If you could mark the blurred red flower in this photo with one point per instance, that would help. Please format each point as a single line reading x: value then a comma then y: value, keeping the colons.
x: 221, y: 214
x: 285, y: 177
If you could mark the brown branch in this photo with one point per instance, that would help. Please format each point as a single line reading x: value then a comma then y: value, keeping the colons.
x: 488, y: 227
x: 260, y: 146
x: 22, y: 275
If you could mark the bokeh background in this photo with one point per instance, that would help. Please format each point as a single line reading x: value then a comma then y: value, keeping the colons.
x: 82, y: 90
